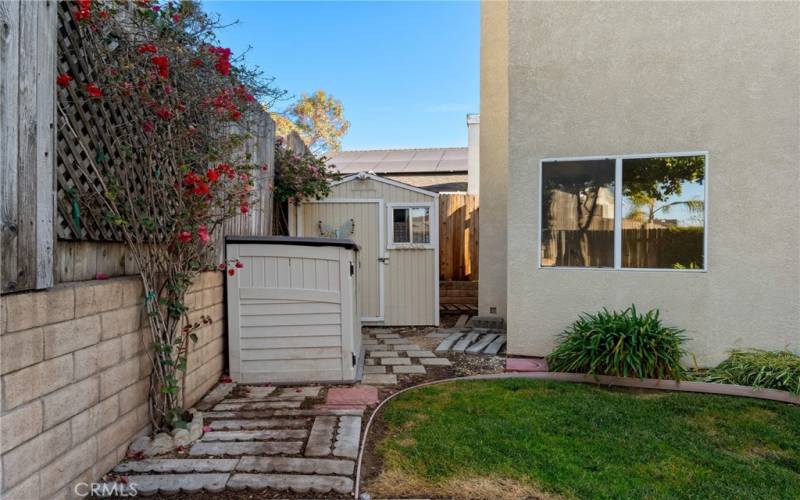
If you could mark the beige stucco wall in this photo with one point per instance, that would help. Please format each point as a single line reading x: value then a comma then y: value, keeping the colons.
x: 625, y: 78
x: 493, y: 157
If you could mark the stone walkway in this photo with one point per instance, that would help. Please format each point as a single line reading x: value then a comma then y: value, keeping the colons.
x: 478, y: 335
x: 260, y: 438
x: 300, y: 439
x: 390, y: 354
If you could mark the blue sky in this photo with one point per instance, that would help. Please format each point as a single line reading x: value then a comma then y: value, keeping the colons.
x: 406, y: 72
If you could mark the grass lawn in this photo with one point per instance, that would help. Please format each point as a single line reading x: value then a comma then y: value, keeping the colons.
x: 517, y: 438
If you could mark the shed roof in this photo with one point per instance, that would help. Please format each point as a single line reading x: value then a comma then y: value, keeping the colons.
x: 364, y: 176
x: 406, y: 161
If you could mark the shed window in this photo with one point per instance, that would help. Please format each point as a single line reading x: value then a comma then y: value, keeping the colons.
x: 411, y: 225
x: 624, y: 212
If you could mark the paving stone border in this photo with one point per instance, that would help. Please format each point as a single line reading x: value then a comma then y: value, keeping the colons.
x: 300, y: 465
x: 296, y: 483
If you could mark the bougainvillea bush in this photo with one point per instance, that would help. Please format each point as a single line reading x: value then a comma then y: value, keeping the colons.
x: 172, y: 169
x: 300, y: 176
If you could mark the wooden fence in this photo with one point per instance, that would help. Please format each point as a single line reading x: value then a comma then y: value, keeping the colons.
x: 41, y: 242
x: 27, y: 143
x: 656, y: 248
x: 458, y: 237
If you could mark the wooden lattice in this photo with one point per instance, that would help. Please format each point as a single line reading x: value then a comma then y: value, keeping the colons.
x: 86, y: 129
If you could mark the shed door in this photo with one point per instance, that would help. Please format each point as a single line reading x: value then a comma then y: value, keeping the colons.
x: 368, y: 233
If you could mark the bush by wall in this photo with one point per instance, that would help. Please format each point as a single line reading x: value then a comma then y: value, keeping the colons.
x: 627, y: 344
x: 761, y: 369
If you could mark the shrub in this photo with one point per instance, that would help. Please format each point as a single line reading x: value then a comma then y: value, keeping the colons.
x: 761, y: 369
x: 623, y: 343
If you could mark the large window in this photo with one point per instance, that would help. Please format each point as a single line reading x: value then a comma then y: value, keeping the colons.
x: 410, y: 226
x: 624, y: 212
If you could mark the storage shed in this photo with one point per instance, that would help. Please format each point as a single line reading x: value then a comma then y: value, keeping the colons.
x: 292, y: 310
x: 396, y: 227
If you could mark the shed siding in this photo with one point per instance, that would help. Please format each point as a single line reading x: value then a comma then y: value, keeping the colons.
x: 411, y: 275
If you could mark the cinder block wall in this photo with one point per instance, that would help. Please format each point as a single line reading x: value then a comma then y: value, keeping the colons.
x: 75, y: 379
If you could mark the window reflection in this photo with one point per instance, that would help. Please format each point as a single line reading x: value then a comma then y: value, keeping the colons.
x: 578, y: 213
x: 663, y: 210
x: 400, y: 220
x: 420, y: 225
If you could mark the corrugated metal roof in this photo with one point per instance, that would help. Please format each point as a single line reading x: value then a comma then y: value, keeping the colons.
x: 395, y: 161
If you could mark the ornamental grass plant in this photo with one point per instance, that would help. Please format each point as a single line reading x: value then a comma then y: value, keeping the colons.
x: 626, y: 344
x: 760, y: 369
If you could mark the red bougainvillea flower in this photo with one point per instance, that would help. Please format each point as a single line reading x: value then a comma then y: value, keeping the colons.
x: 200, y: 189
x: 147, y: 47
x: 185, y: 236
x: 93, y: 90
x: 239, y: 265
x: 244, y: 208
x: 147, y: 127
x: 222, y: 266
x: 176, y: 18
x: 197, y: 63
x: 235, y: 115
x: 202, y: 233
x: 164, y: 113
x: 223, y: 64
x: 225, y: 379
x: 231, y: 272
x: 191, y: 179
x: 63, y: 80
x: 226, y: 169
x: 84, y: 10
x: 163, y: 65
x: 212, y: 175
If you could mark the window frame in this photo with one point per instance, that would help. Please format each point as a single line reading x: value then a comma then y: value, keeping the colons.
x: 618, y: 158
x: 432, y: 232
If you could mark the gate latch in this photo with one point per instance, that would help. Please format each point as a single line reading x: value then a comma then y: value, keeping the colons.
x: 352, y: 269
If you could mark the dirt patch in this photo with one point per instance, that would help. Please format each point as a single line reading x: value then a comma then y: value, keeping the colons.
x: 393, y: 484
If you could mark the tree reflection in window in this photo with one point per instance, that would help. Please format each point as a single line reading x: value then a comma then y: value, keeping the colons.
x: 663, y: 209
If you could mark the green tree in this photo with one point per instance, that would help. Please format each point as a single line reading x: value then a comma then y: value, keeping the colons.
x: 318, y: 118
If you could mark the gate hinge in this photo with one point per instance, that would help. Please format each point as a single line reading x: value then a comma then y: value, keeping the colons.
x: 354, y: 358
x: 352, y: 269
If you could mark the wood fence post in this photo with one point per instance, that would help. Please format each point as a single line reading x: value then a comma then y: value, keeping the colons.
x: 27, y: 143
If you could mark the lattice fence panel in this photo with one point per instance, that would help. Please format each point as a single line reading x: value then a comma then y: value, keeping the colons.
x: 86, y: 133
x: 88, y: 129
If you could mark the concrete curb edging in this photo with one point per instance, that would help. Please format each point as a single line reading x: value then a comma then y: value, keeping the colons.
x: 653, y: 384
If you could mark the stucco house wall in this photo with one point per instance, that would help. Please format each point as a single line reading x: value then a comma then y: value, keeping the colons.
x: 493, y: 158
x: 588, y: 79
